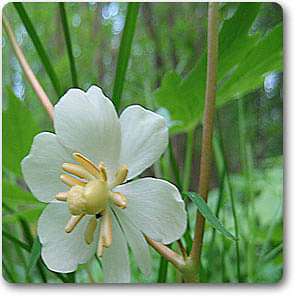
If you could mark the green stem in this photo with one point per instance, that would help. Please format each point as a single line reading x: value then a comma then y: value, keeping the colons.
x: 163, y: 270
x: 188, y: 161
x: 124, y: 52
x: 38, y: 46
x: 246, y: 167
x: 267, y: 241
x: 64, y: 21
x: 174, y: 165
x: 186, y: 182
x: 211, y: 258
x: 223, y: 170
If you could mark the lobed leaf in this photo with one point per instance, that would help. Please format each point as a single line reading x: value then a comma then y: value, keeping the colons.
x: 244, y: 60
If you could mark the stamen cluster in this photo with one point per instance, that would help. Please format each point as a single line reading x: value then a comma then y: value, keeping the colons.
x: 90, y: 194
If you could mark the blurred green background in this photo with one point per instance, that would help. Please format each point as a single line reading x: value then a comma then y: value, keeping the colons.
x: 166, y: 73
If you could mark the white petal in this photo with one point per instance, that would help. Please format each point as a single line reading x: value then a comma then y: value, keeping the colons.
x: 88, y: 123
x: 63, y: 252
x: 115, y: 258
x: 156, y: 208
x: 43, y: 166
x: 136, y: 242
x: 144, y: 138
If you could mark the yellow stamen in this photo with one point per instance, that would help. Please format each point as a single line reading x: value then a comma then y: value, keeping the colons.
x: 62, y: 196
x: 105, y: 237
x: 90, y: 230
x: 102, y: 171
x: 91, y: 194
x: 77, y: 171
x: 106, y: 229
x: 87, y: 164
x: 74, y: 220
x: 119, y: 199
x: 71, y: 181
x: 120, y: 176
x: 100, y: 247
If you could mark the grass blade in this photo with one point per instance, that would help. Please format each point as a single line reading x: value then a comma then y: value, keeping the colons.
x: 124, y: 52
x: 67, y: 35
x: 34, y: 255
x: 273, y: 253
x: 247, y: 170
x: 163, y: 270
x: 15, y: 240
x: 38, y: 46
x: 209, y: 215
x: 7, y: 274
x: 174, y: 165
x: 211, y: 257
x: 223, y: 171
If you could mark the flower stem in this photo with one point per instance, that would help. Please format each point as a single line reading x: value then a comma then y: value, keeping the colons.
x: 188, y: 160
x: 42, y: 96
x: 210, y: 96
x: 167, y: 253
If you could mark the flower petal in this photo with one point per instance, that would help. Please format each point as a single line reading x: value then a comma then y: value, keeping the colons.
x: 63, y: 252
x: 43, y: 166
x: 88, y: 123
x: 136, y: 242
x: 115, y: 260
x: 144, y: 138
x: 156, y: 208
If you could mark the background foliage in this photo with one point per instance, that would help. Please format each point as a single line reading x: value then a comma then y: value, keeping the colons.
x: 166, y: 72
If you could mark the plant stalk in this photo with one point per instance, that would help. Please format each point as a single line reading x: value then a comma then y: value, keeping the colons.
x: 207, y: 133
x: 64, y: 21
x: 167, y: 253
x: 42, y: 96
x: 188, y: 161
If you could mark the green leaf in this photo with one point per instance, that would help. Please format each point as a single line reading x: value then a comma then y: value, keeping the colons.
x: 38, y: 46
x: 34, y: 255
x: 19, y: 128
x: 64, y: 21
x: 244, y: 61
x: 209, y: 215
x: 124, y: 52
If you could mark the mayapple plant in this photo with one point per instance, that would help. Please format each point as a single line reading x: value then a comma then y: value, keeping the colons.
x: 84, y: 172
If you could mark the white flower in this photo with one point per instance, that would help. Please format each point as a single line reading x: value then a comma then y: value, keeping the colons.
x: 81, y: 172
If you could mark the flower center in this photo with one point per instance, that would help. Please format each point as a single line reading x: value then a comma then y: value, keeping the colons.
x: 90, y: 194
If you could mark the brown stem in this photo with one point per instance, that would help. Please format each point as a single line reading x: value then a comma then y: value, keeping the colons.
x: 167, y: 253
x: 27, y: 70
x: 182, y: 249
x: 210, y: 96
